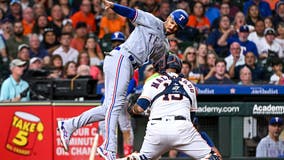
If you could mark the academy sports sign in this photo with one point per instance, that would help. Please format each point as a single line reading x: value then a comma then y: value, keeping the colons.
x: 240, y: 108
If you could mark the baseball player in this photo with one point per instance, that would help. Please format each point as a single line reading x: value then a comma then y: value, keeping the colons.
x: 67, y: 127
x: 172, y: 102
x: 124, y: 120
x: 148, y: 41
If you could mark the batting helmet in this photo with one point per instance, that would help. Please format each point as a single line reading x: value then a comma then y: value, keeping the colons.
x: 180, y: 16
x: 117, y: 36
x: 174, y: 62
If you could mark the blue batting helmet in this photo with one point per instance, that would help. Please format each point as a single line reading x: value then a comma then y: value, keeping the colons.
x: 117, y: 36
x: 174, y: 62
x: 180, y: 16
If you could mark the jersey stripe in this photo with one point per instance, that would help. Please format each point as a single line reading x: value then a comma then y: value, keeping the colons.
x: 112, y: 101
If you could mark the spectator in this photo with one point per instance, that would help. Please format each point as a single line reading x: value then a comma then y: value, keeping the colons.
x: 4, y: 6
x: 211, y: 12
x: 268, y: 22
x: 258, y: 73
x: 236, y: 58
x: 85, y: 15
x: 111, y: 22
x: 80, y: 36
x: 70, y: 70
x: 3, y: 52
x: 67, y: 11
x: 94, y: 50
x: 245, y: 76
x: 67, y: 26
x: 23, y: 52
x: 220, y: 74
x: 224, y: 30
x: 242, y: 39
x: 269, y: 44
x: 14, y: 42
x: 210, y: 61
x: 224, y: 11
x: 39, y: 9
x: 197, y: 19
x: 234, y: 9
x: 279, y: 17
x: 14, y: 88
x: 186, y: 69
x: 28, y: 20
x: 49, y: 42
x: 6, y: 28
x: 83, y: 71
x: 37, y: 51
x: 41, y: 23
x: 56, y: 67
x: 263, y: 7
x: 239, y: 20
x: 280, y: 38
x: 190, y: 56
x: 270, y: 146
x: 278, y: 77
x: 165, y: 9
x: 15, y: 11
x: 253, y: 15
x: 174, y: 48
x: 35, y: 70
x: 65, y: 51
x: 258, y: 35
x: 84, y: 59
x: 55, y: 19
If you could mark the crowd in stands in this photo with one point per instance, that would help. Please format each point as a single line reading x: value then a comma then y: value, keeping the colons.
x: 224, y: 42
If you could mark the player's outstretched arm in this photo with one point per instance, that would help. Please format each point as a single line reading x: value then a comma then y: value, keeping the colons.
x: 120, y: 9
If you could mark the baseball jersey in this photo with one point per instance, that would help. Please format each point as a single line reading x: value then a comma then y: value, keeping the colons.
x: 149, y: 38
x: 175, y: 103
x: 269, y: 148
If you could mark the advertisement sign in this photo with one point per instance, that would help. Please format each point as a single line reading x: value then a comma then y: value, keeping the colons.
x: 240, y: 108
x: 82, y: 139
x: 240, y: 90
x: 26, y: 132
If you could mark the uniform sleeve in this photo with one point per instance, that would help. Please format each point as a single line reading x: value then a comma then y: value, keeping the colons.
x: 147, y: 95
x: 147, y: 19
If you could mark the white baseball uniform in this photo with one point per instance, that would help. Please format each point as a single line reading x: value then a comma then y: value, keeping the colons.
x: 169, y: 125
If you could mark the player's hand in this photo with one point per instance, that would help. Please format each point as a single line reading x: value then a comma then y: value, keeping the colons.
x: 108, y: 4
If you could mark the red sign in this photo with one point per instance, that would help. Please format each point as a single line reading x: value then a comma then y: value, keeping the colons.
x: 29, y: 133
x: 26, y: 132
x: 82, y: 139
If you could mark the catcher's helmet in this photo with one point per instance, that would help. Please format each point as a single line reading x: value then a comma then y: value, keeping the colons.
x: 174, y: 62
x: 117, y: 36
x: 181, y: 17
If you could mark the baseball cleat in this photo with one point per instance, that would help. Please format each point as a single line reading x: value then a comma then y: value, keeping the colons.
x: 64, y: 135
x: 107, y: 155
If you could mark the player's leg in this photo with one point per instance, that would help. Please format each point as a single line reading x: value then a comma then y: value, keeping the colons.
x: 118, y: 72
x: 124, y: 121
x: 191, y: 143
x: 156, y: 141
x: 67, y: 127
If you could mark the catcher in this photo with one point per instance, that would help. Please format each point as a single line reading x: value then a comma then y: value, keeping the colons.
x: 172, y: 102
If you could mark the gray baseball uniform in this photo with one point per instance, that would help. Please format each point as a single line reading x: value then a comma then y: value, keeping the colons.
x: 147, y: 39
